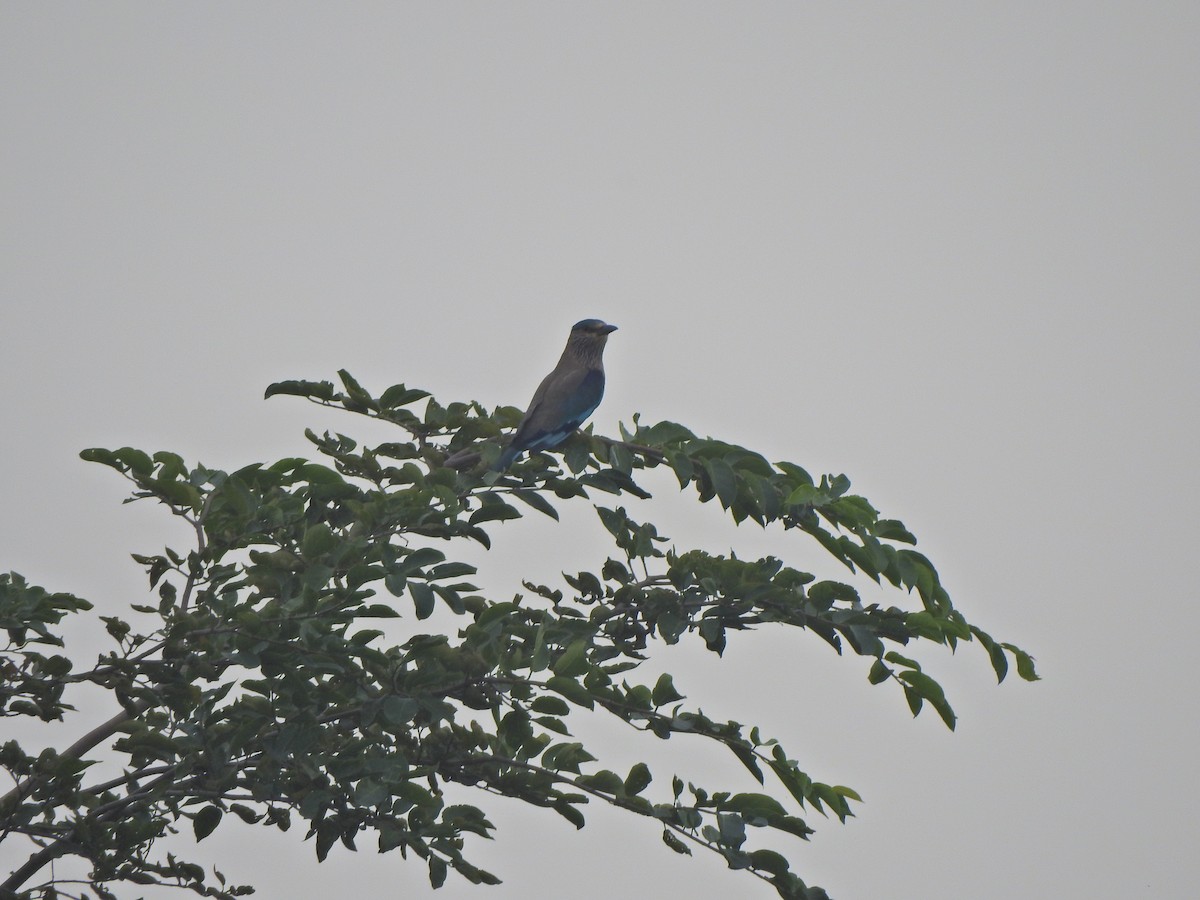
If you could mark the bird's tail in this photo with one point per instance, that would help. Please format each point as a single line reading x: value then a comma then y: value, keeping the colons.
x: 505, y: 459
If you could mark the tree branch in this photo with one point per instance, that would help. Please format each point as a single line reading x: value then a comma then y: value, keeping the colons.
x: 100, y: 733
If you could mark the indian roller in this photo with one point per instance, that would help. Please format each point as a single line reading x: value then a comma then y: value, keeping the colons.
x: 566, y: 397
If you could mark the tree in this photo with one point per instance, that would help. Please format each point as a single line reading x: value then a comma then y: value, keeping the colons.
x: 260, y: 681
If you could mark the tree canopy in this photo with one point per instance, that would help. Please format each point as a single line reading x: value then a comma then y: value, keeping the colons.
x: 264, y: 680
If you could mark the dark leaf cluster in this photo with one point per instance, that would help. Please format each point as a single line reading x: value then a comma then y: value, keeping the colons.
x: 279, y: 675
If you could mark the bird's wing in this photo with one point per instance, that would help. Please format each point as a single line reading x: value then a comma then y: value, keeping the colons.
x: 564, y: 399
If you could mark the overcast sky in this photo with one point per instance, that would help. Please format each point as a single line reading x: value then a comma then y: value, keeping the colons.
x: 952, y: 250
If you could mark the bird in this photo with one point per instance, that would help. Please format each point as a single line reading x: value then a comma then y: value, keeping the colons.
x: 566, y: 397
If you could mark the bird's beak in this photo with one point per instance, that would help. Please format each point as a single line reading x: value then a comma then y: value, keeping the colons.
x: 608, y: 329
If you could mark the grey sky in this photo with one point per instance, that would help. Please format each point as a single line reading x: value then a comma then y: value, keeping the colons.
x: 952, y: 250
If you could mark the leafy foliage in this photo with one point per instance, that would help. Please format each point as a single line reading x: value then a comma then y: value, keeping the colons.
x: 261, y: 687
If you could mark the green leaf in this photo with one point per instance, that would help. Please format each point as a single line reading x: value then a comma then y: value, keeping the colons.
x: 494, y: 511
x: 848, y: 793
x: 171, y: 465
x: 824, y: 594
x: 807, y: 494
x: 682, y: 466
x: 451, y: 570
x: 925, y: 686
x: 615, y: 521
x: 769, y: 861
x: 1025, y: 667
x: 176, y: 493
x: 572, y: 690
x: 352, y: 386
x: 550, y: 706
x: 398, y: 395
x: 724, y: 481
x: 943, y: 709
x: 675, y: 843
x: 399, y: 711
x: 914, y: 699
x: 606, y: 781
x: 554, y: 724
x: 732, y: 828
x: 319, y: 474
x: 894, y: 657
x: 570, y: 813
x: 437, y: 871
x: 370, y: 793
x: 758, y: 806
x: 662, y: 433
x: 136, y: 460
x: 419, y: 558
x: 98, y: 455
x: 318, y: 540
x: 620, y: 459
x: 424, y: 599
x: 467, y: 818
x: 748, y: 759
x: 664, y: 690
x: 638, y: 779
x: 854, y: 511
x: 995, y: 653
x: 893, y: 530
x: 206, y: 820
x: 792, y: 825
x: 316, y: 390
x: 328, y: 832
x: 930, y: 690
x: 537, y: 501
x: 879, y: 672
x: 245, y: 813
x: 573, y: 660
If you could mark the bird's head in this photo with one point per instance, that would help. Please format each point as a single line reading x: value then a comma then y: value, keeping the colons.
x: 593, y: 328
x: 587, y: 340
